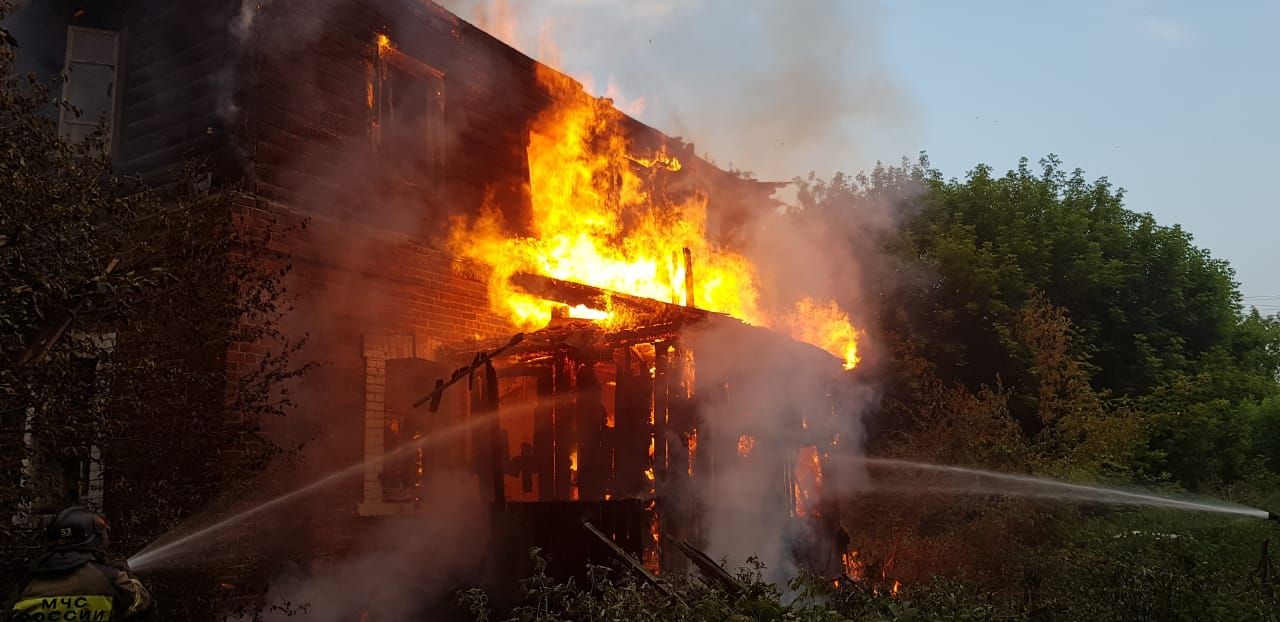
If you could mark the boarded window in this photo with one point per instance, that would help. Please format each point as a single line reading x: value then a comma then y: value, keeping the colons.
x: 89, y: 82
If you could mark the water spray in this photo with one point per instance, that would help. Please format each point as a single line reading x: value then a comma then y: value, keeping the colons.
x: 155, y: 552
x: 955, y: 480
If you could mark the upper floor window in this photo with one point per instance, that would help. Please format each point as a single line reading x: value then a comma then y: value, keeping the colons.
x: 406, y: 100
x: 89, y: 84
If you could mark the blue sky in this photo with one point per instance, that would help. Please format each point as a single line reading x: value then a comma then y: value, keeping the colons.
x: 1177, y: 102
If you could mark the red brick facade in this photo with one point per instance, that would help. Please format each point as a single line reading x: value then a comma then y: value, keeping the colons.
x: 296, y: 111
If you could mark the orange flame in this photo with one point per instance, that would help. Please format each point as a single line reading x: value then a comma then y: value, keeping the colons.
x: 596, y: 220
x: 853, y: 567
x: 746, y: 443
x: 808, y: 481
x: 587, y: 313
x: 692, y: 443
x: 573, y: 473
x: 825, y: 326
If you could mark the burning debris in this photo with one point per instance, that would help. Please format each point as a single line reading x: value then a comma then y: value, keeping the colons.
x: 624, y: 281
x: 617, y: 278
x: 622, y: 414
x: 604, y: 216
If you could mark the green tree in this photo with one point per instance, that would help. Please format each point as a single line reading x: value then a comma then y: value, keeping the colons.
x: 980, y: 276
x: 119, y: 303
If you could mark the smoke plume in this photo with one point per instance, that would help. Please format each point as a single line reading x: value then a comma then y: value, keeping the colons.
x: 779, y: 89
x: 408, y: 569
x: 776, y: 88
x: 775, y: 386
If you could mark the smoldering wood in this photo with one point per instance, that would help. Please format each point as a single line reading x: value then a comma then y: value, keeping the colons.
x: 632, y: 402
x: 563, y: 425
x: 555, y: 527
x: 709, y: 568
x: 688, y: 278
x: 481, y: 359
x: 680, y: 417
x: 662, y: 361
x: 709, y: 395
x: 573, y: 294
x: 566, y: 357
x: 631, y: 561
x: 543, y: 435
x: 497, y: 440
x: 593, y: 465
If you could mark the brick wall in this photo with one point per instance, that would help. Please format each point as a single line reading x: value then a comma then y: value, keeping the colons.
x: 361, y: 295
x: 370, y: 281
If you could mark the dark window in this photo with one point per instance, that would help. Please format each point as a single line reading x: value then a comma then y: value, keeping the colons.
x: 407, y: 101
x: 61, y: 467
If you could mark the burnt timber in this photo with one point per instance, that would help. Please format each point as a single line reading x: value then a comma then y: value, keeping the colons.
x: 643, y: 444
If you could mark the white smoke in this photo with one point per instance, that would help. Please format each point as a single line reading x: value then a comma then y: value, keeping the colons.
x: 777, y: 88
x: 410, y: 566
x: 773, y: 386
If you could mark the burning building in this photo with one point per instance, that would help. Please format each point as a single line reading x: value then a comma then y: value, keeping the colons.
x: 448, y: 192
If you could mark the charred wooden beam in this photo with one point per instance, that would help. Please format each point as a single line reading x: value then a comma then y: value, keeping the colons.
x: 709, y: 568
x: 597, y: 298
x: 680, y: 416
x: 661, y: 363
x: 688, y: 278
x: 632, y: 400
x: 544, y: 436
x: 481, y: 359
x: 497, y: 439
x: 563, y: 425
x: 630, y: 561
x: 593, y: 460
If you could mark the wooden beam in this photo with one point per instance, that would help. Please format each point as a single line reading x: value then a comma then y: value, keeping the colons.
x: 593, y: 463
x: 563, y: 423
x: 574, y: 294
x: 544, y: 436
x: 631, y: 561
x: 710, y: 569
x: 633, y: 399
x: 661, y: 362
x: 688, y: 278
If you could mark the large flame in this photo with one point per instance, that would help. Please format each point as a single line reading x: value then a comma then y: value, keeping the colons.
x: 595, y: 220
x: 825, y: 326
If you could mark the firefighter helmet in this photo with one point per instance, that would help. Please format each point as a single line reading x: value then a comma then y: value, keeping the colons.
x: 76, y: 529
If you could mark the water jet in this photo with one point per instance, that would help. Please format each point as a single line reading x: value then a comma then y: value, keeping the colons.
x: 954, y: 480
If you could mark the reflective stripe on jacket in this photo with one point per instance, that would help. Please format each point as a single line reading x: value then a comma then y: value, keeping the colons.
x: 90, y: 592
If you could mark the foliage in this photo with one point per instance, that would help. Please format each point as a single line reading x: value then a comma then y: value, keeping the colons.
x: 1117, y: 346
x: 1035, y: 325
x: 119, y: 304
x: 1131, y: 566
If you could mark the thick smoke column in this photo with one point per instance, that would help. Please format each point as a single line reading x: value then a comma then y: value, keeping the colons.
x: 773, y: 389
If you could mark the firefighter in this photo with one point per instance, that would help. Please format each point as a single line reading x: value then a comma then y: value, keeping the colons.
x: 72, y: 579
